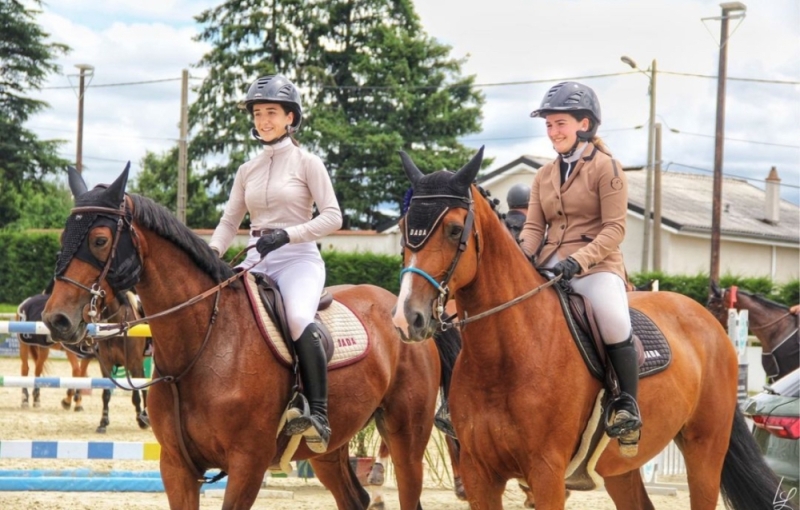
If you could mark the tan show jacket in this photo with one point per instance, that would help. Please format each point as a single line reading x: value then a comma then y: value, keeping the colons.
x: 584, y: 218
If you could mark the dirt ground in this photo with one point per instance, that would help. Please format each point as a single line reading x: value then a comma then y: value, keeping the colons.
x: 50, y: 422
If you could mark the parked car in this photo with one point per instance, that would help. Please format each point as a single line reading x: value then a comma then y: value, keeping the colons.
x: 776, y: 427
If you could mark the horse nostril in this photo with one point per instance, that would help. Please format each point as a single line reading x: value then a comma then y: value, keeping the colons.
x: 59, y: 322
x: 419, y: 321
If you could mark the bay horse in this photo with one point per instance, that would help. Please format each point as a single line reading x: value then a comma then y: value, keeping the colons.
x: 772, y: 323
x: 218, y: 392
x: 521, y: 395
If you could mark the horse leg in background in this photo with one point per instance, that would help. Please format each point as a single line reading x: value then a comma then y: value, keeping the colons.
x: 377, y: 477
x: 40, y: 354
x: 24, y: 351
x: 104, y: 422
x: 134, y: 364
x: 73, y: 394
x: 454, y: 449
x: 628, y: 492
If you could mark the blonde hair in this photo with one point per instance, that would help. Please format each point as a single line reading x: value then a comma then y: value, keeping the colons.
x: 600, y: 144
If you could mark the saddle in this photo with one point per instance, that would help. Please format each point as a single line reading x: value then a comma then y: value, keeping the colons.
x: 273, y: 303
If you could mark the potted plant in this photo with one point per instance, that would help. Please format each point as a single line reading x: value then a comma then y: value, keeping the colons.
x: 361, y: 445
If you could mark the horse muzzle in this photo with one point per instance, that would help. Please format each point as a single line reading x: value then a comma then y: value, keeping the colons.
x: 63, y: 329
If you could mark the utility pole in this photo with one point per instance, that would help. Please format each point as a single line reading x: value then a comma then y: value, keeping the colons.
x: 657, y: 202
x: 727, y: 9
x: 648, y: 195
x: 182, y: 149
x: 81, y: 87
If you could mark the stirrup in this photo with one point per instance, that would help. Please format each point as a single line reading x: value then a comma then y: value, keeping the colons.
x: 317, y: 434
x: 298, y: 416
x: 622, y: 416
x: 442, y: 421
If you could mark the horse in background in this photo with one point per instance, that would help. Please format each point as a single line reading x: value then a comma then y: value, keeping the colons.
x: 522, y: 397
x: 111, y: 352
x: 37, y: 348
x: 772, y: 323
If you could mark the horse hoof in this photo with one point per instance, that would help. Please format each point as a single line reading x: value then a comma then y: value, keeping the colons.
x: 377, y: 505
x: 143, y: 424
x: 459, y: 489
x: 101, y: 430
x: 78, y: 408
x: 376, y: 474
x: 36, y: 403
x: 25, y: 404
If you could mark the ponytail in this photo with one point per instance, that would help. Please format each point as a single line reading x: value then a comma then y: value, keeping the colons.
x: 600, y: 144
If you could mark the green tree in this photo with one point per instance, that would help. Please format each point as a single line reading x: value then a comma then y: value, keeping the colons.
x: 26, y: 58
x: 373, y: 83
x: 158, y: 180
x: 44, y: 206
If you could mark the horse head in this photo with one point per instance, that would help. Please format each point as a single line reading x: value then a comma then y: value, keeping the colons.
x: 440, y: 245
x: 99, y: 257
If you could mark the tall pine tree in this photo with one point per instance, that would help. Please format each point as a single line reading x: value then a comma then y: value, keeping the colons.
x: 373, y: 83
x: 26, y: 58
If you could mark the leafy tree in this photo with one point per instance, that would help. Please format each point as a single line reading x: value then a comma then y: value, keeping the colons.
x: 159, y: 180
x: 46, y: 205
x: 26, y: 58
x: 373, y: 83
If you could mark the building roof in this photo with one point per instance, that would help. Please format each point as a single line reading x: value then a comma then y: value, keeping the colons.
x: 534, y: 162
x: 687, y: 200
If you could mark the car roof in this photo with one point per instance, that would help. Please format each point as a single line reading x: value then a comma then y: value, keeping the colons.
x: 788, y: 385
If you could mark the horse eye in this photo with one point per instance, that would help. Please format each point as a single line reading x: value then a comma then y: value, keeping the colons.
x: 454, y: 231
x: 100, y: 242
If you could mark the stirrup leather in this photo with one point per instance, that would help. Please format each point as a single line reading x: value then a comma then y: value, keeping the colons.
x: 442, y: 421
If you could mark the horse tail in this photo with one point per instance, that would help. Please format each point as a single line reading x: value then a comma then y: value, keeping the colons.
x: 448, y: 344
x: 747, y: 480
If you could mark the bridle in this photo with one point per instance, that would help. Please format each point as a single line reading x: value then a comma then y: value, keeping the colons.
x: 442, y: 286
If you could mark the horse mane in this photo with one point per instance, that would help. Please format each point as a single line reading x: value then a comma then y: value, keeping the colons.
x: 160, y: 220
x: 764, y: 300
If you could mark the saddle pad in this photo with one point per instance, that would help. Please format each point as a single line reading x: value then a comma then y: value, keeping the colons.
x: 657, y: 353
x: 350, y: 338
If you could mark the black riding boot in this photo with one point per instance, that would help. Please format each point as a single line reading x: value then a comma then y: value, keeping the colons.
x: 626, y: 421
x: 314, y: 374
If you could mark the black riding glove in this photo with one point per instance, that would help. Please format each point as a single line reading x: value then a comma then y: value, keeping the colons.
x: 567, y: 268
x: 272, y: 241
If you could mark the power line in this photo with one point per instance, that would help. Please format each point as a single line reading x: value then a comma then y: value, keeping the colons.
x: 122, y: 84
x: 97, y: 158
x: 729, y: 175
x: 106, y: 135
x: 730, y: 78
x: 740, y: 140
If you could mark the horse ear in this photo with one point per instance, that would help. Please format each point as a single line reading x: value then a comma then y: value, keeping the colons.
x: 117, y: 189
x: 715, y: 289
x: 412, y: 172
x: 465, y: 176
x: 76, y: 183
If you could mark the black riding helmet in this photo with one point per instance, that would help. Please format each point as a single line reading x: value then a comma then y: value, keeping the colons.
x: 518, y: 196
x: 275, y: 88
x: 572, y: 97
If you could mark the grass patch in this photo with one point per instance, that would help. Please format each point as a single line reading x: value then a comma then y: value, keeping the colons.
x: 4, y: 308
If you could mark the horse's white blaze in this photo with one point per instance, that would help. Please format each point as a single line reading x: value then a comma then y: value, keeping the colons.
x: 399, y: 318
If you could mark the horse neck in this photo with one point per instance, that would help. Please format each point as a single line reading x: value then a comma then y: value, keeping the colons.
x: 170, y: 278
x: 769, y: 324
x: 504, y: 273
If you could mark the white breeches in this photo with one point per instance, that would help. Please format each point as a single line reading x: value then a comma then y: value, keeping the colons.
x: 299, y: 271
x: 606, y: 292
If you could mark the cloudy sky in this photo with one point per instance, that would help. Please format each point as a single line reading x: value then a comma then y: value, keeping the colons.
x: 504, y: 42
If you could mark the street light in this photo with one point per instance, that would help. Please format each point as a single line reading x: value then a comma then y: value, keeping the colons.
x: 84, y: 68
x: 648, y: 195
x: 728, y: 9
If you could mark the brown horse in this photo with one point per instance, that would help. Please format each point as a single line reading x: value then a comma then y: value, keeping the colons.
x: 37, y: 348
x: 521, y: 395
x: 770, y: 322
x: 221, y: 392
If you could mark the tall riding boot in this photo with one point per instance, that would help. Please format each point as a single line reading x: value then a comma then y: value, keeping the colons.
x: 314, y: 374
x: 626, y: 420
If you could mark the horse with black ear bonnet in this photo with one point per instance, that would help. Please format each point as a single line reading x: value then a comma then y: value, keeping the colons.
x: 521, y: 396
x: 220, y: 387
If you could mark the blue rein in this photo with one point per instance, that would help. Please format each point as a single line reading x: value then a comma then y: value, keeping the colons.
x: 422, y: 273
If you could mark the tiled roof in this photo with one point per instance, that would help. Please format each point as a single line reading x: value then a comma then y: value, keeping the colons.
x: 687, y: 200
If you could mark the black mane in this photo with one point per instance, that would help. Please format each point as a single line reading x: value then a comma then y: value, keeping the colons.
x: 160, y: 220
x: 763, y: 300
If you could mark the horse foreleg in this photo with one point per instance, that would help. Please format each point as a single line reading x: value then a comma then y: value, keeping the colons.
x: 180, y: 484
x: 484, y: 490
x: 454, y: 449
x: 104, y: 422
x: 24, y: 351
x: 377, y: 476
x: 628, y: 492
x: 141, y: 416
x: 66, y: 402
x: 334, y: 471
x: 143, y: 419
x: 40, y: 355
x: 25, y: 398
